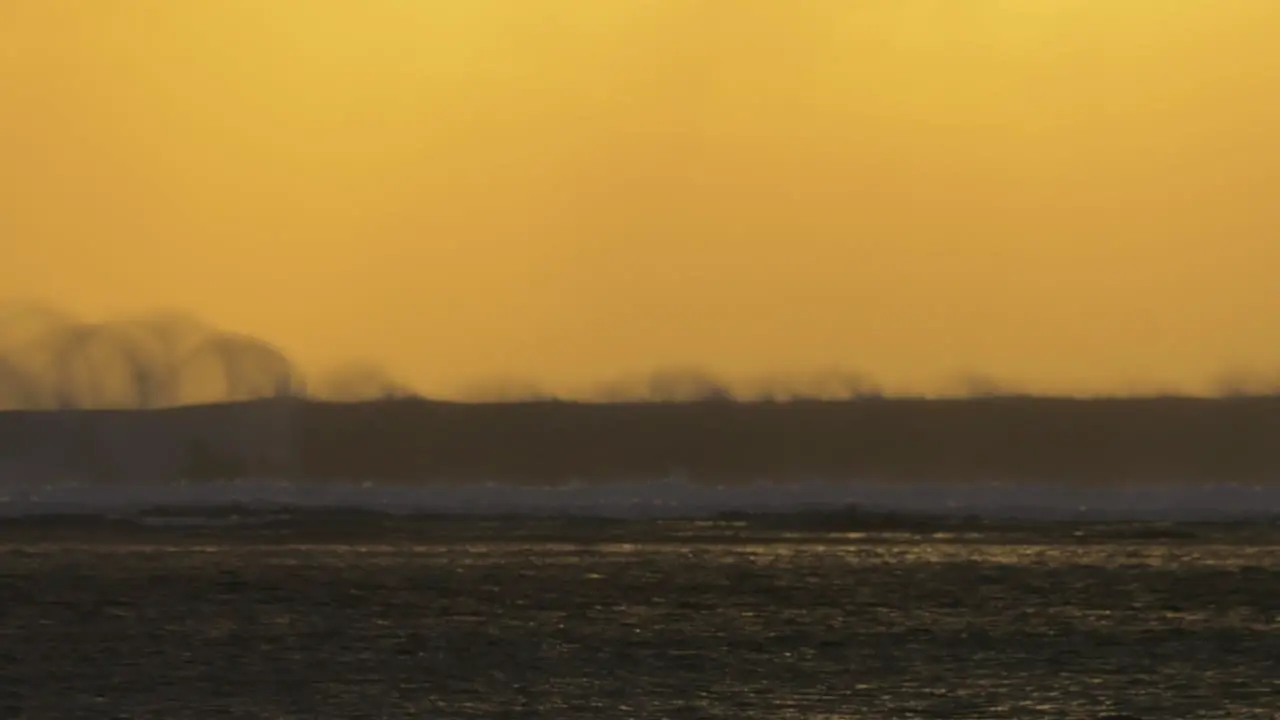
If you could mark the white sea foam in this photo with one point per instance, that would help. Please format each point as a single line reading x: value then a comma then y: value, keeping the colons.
x: 663, y: 498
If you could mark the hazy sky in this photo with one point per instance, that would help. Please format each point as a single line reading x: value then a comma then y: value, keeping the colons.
x: 1071, y: 194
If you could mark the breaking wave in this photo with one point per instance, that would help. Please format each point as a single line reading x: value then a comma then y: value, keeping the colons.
x: 655, y: 499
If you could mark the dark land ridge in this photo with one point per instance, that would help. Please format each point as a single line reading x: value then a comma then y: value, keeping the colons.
x: 1234, y: 439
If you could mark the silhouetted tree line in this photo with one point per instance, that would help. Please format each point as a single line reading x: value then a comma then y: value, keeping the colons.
x: 674, y: 421
x: 51, y: 360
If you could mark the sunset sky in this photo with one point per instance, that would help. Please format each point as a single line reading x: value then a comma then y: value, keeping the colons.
x: 1072, y: 195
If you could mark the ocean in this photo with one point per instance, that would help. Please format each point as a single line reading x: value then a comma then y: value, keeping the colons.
x: 758, y: 601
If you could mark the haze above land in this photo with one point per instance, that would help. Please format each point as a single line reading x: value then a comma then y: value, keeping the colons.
x: 1065, y: 196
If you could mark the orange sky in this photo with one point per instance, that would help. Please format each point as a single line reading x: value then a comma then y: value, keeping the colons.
x: 1071, y: 194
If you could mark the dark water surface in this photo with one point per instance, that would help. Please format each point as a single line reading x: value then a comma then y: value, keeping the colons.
x: 513, y: 619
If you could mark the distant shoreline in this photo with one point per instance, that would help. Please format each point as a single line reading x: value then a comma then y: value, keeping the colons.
x: 1015, y: 438
x: 1099, y: 440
